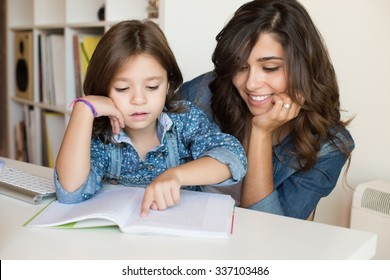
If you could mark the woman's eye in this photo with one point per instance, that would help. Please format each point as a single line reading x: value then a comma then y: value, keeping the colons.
x: 243, y: 68
x: 270, y: 69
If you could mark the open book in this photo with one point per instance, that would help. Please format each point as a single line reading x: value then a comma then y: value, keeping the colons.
x: 198, y: 214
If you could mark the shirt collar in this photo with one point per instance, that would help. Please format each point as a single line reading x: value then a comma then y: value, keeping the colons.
x: 164, y: 123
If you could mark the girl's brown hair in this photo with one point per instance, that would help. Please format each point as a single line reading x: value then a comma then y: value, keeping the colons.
x: 119, y: 43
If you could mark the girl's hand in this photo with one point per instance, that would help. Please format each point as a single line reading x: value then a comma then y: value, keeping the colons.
x: 104, y: 106
x: 283, y: 111
x: 162, y: 193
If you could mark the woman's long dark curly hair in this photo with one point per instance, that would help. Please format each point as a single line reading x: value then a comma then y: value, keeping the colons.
x: 309, y: 73
x: 119, y: 43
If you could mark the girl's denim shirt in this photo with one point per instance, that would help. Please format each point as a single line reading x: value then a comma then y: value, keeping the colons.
x: 295, y: 194
x: 183, y: 136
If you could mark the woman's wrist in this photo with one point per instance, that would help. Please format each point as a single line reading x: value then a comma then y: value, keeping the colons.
x: 260, y: 135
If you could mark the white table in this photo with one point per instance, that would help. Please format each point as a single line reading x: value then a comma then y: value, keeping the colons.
x: 256, y: 236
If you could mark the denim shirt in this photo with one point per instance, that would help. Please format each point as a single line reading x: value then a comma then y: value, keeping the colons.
x: 183, y: 136
x: 296, y: 194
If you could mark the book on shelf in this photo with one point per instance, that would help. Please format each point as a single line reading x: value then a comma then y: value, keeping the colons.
x: 76, y: 63
x: 57, y: 42
x: 44, y: 55
x: 20, y: 142
x: 25, y: 136
x: 29, y: 121
x: 45, y: 159
x: 53, y: 131
x: 198, y: 214
x: 51, y: 67
x: 83, y: 47
x: 40, y: 68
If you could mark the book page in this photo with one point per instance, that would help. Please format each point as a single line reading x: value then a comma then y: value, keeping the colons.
x: 197, y: 214
x: 114, y: 205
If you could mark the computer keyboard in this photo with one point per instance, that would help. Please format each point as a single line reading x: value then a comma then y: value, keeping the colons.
x: 25, y: 186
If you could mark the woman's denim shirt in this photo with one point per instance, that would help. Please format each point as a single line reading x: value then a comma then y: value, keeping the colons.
x: 183, y: 136
x: 296, y: 194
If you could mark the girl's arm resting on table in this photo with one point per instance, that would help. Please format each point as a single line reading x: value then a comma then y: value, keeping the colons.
x: 164, y: 191
x: 202, y: 171
x: 89, y: 188
x: 235, y: 161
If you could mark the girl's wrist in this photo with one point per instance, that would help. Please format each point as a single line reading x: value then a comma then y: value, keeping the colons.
x: 86, y: 102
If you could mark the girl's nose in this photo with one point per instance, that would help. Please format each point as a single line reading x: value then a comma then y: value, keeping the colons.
x: 138, y: 98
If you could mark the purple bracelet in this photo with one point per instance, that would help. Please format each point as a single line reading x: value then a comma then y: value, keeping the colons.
x: 89, y: 104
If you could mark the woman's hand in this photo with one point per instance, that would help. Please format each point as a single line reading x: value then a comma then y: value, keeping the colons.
x: 282, y: 112
x: 258, y: 182
x: 104, y: 106
x: 162, y: 193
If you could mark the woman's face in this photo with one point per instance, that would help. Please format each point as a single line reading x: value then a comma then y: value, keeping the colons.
x: 262, y: 76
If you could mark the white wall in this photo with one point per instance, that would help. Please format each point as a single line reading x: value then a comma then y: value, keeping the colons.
x: 191, y: 27
x: 357, y: 33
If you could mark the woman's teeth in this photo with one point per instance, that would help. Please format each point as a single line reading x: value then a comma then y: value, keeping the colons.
x: 259, y: 97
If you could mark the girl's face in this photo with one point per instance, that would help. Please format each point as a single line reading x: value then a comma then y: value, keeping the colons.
x: 262, y: 76
x: 139, y: 92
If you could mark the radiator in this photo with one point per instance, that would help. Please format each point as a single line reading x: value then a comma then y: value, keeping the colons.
x: 371, y: 212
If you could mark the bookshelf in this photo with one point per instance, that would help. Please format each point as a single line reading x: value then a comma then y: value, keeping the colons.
x: 34, y: 99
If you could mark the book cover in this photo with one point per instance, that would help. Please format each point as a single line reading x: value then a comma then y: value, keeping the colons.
x: 198, y: 214
x: 87, y: 45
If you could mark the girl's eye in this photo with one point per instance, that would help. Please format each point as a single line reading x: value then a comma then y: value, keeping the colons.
x: 152, y: 87
x: 121, y: 89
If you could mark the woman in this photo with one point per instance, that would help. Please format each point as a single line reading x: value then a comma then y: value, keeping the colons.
x: 274, y: 88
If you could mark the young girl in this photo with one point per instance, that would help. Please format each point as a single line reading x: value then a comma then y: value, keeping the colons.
x: 141, y: 135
